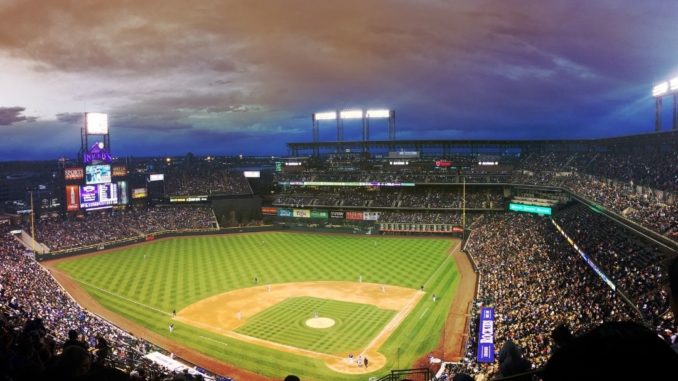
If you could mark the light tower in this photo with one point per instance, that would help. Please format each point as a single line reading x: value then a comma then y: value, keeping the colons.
x: 95, y: 124
x: 659, y: 91
x: 340, y: 115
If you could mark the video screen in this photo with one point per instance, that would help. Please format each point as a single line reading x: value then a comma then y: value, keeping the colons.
x: 139, y: 193
x: 97, y: 174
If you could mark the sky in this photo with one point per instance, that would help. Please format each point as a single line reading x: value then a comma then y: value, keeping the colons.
x: 244, y: 77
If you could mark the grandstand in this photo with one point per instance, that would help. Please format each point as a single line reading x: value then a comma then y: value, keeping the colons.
x: 589, y: 242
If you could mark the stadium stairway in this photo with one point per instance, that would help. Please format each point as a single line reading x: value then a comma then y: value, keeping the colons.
x: 30, y: 243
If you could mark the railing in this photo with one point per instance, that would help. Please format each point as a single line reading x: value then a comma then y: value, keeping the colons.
x: 419, y: 374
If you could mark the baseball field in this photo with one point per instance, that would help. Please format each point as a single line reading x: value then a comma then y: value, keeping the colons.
x: 279, y: 303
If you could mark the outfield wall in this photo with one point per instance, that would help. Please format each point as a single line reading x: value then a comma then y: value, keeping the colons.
x: 154, y: 236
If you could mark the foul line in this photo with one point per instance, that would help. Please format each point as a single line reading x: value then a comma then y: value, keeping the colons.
x: 423, y: 313
x: 442, y: 263
x: 393, y: 324
x: 211, y: 339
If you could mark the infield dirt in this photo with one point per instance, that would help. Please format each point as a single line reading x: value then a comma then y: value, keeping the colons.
x: 226, y: 312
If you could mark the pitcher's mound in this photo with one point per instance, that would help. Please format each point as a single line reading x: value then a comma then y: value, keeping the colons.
x: 320, y: 322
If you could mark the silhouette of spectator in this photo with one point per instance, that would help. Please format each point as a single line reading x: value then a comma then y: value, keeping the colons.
x: 511, y: 361
x: 292, y: 377
x: 462, y: 377
x: 74, y: 340
x: 561, y: 336
x: 72, y: 364
x: 614, y: 351
x: 673, y: 287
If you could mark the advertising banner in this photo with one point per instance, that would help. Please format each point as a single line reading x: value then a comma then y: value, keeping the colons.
x: 139, y: 193
x: 119, y: 171
x: 319, y: 214
x: 486, y: 335
x: 74, y: 173
x: 337, y: 214
x: 525, y: 208
x: 284, y: 212
x: 370, y: 216
x: 122, y: 192
x: 182, y: 199
x: 97, y: 153
x: 351, y: 215
x: 301, y: 213
x: 269, y: 211
x: 72, y: 197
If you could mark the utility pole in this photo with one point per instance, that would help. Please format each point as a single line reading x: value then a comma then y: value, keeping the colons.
x: 463, y: 208
x: 32, y: 224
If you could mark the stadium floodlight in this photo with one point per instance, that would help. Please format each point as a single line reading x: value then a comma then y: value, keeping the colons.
x: 674, y: 84
x: 380, y: 113
x: 351, y: 114
x: 660, y: 89
x: 97, y: 123
x: 329, y: 115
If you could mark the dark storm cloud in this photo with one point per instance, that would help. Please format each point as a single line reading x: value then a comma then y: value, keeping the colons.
x: 158, y: 127
x: 152, y: 124
x: 12, y: 115
x: 70, y: 117
x: 481, y: 68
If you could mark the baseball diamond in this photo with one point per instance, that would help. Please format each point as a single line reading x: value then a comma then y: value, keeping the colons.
x: 244, y: 299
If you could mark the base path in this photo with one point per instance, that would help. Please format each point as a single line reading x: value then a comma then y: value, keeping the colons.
x: 224, y: 313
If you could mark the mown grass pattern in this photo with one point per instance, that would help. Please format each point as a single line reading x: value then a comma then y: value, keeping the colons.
x: 285, y: 323
x: 174, y: 273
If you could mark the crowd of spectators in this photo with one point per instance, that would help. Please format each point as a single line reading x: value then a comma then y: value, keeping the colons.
x: 425, y: 217
x: 387, y: 197
x: 633, y: 266
x: 535, y: 282
x: 97, y: 227
x: 640, y: 187
x: 635, y: 186
x: 658, y: 170
x: 47, y: 335
x: 205, y: 181
x: 644, y: 208
x: 430, y: 176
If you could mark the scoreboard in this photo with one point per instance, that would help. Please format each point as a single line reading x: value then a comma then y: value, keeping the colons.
x: 98, y: 196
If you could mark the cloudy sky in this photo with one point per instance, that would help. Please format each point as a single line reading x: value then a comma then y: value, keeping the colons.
x: 230, y: 77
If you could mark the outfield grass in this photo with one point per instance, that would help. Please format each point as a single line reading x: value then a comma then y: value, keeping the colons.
x: 145, y: 283
x: 355, y: 325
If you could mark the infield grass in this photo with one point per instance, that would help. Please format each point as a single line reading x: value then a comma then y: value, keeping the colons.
x: 285, y: 323
x: 146, y: 282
